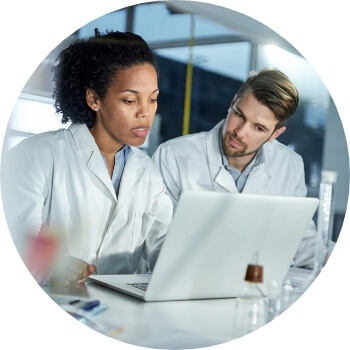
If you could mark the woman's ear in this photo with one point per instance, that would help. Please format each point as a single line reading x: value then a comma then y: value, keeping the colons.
x: 92, y: 99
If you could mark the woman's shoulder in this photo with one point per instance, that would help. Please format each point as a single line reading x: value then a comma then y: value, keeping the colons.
x: 39, y: 143
x: 44, y: 137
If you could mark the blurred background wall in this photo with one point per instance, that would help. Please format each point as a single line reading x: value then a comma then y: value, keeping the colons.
x: 219, y: 46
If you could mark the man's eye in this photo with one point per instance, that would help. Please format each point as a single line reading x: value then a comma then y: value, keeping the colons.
x: 129, y: 102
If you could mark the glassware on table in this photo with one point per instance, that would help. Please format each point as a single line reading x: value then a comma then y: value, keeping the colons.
x: 325, y: 215
x: 251, y: 305
x: 274, y: 300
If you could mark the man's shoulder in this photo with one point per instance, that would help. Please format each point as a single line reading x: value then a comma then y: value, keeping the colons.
x: 277, y: 149
x: 141, y: 155
x: 143, y: 158
x: 187, y: 138
x: 195, y: 141
x: 181, y: 142
x: 283, y: 147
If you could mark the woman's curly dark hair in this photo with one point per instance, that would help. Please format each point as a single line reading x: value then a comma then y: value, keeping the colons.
x: 94, y: 64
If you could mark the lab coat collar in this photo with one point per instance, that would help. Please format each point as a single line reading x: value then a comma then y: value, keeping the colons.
x: 82, y: 137
x: 221, y: 177
x: 85, y: 143
x: 132, y: 176
x: 260, y: 174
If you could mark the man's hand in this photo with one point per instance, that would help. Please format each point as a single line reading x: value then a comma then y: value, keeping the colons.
x: 71, y: 271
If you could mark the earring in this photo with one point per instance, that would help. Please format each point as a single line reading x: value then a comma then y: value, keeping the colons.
x: 96, y: 109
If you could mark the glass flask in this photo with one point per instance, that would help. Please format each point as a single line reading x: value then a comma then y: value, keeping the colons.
x: 251, y: 307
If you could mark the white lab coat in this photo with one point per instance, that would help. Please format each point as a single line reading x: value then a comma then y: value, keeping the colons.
x: 194, y: 162
x: 59, y: 179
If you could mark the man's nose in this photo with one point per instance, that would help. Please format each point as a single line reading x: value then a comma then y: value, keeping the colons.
x: 241, y: 129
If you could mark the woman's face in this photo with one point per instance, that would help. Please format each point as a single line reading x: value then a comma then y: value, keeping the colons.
x: 126, y: 113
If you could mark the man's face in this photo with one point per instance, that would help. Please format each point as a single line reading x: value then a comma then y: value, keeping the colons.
x: 249, y: 124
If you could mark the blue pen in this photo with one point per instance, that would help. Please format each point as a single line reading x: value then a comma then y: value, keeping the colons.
x: 90, y: 305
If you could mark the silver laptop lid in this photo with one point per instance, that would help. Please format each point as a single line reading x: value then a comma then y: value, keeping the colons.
x: 212, y: 239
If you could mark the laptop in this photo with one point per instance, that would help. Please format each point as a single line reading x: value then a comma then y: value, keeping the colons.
x: 211, y: 240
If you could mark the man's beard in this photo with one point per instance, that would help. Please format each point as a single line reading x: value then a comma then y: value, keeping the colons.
x: 230, y: 152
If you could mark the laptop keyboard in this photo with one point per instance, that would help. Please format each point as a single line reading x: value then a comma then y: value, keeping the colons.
x: 142, y: 286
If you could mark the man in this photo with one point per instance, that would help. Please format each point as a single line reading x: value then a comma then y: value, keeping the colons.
x: 241, y: 153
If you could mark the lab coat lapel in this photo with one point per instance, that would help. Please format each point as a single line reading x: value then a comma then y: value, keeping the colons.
x: 132, y: 175
x: 259, y: 177
x: 220, y: 178
x: 96, y: 165
x: 225, y: 180
x: 257, y: 180
x: 85, y: 143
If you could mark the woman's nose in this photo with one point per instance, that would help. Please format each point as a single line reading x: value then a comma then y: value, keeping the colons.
x: 144, y: 111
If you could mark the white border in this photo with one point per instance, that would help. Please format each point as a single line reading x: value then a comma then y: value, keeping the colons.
x: 31, y: 29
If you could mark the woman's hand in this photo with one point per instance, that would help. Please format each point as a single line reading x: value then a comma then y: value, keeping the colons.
x: 71, y: 271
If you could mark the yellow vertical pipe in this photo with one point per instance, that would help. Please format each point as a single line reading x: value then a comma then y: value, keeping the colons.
x: 188, y: 87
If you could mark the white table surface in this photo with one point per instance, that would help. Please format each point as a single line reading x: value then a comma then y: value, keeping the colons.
x: 164, y: 325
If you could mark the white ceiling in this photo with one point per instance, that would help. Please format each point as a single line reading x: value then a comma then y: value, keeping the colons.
x: 247, y: 26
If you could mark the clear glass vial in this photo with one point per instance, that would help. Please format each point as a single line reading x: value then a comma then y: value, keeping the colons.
x: 251, y: 307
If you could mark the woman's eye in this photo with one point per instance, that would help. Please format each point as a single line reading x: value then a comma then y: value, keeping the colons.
x: 129, y: 102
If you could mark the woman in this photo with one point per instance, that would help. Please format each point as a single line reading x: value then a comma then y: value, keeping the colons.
x: 90, y: 184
